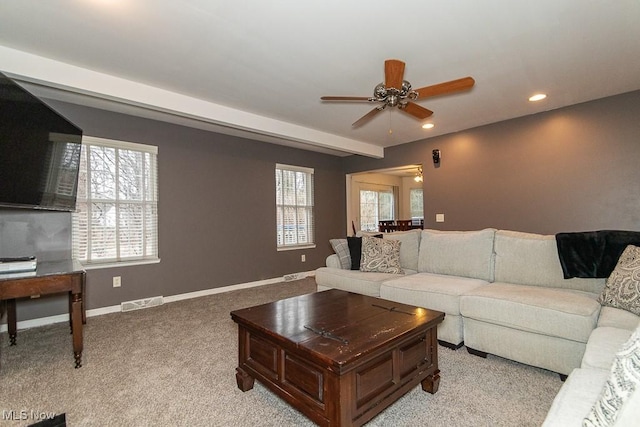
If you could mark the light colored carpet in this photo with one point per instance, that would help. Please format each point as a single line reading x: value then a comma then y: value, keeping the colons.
x: 174, y: 365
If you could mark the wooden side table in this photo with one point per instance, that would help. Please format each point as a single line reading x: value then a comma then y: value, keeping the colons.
x: 49, y: 278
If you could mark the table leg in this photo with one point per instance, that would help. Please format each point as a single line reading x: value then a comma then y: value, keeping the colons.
x: 244, y: 380
x: 76, y: 322
x: 12, y: 323
x: 432, y: 382
x: 70, y: 298
x: 3, y: 305
x: 84, y: 297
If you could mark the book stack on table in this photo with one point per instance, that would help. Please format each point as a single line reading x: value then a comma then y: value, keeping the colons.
x: 18, y: 267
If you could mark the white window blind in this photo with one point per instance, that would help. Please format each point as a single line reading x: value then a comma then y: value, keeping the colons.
x: 116, y: 218
x: 294, y: 207
x: 416, y: 203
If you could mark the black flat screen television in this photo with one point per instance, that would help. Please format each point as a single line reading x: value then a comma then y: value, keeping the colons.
x: 39, y: 152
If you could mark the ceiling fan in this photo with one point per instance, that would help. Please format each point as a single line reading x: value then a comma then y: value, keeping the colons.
x: 397, y: 92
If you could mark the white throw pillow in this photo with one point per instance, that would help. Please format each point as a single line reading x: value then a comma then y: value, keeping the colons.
x: 622, y: 386
x: 341, y: 248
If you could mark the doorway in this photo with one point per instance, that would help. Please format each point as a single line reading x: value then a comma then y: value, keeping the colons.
x: 383, y: 195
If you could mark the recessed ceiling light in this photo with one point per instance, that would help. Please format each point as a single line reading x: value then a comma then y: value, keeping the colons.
x: 537, y: 97
x: 428, y: 126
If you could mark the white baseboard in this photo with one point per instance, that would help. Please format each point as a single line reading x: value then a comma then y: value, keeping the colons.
x: 42, y: 321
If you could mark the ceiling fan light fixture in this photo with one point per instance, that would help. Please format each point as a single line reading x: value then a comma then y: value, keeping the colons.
x: 537, y: 97
x: 380, y: 92
x: 428, y: 126
x: 397, y: 92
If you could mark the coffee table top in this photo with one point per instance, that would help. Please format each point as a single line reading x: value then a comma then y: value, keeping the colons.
x: 336, y: 326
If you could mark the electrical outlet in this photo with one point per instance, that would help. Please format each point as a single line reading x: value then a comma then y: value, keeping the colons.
x: 303, y: 258
x: 117, y: 281
x: 440, y: 217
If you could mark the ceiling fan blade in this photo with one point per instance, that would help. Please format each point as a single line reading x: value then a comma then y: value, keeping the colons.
x: 446, y: 87
x: 393, y: 73
x: 362, y: 120
x: 345, y: 98
x: 417, y: 111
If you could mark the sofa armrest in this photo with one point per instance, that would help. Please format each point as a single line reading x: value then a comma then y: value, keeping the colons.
x: 575, y: 398
x: 333, y: 261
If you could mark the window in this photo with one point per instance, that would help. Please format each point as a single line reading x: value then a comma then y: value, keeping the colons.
x: 294, y: 207
x: 416, y: 203
x: 116, y: 218
x: 375, y: 206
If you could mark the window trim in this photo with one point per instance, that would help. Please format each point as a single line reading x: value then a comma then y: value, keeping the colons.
x: 123, y: 145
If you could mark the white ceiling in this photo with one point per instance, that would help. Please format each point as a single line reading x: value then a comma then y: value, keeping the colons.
x: 261, y: 66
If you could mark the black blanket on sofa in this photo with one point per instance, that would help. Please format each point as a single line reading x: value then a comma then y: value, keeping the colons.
x: 593, y: 254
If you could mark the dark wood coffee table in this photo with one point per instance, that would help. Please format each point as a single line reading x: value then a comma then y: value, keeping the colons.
x: 339, y: 358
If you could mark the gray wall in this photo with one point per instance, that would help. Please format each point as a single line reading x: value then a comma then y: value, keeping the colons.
x: 216, y: 210
x: 571, y: 169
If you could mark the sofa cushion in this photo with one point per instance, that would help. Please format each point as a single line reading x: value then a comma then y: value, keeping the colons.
x: 409, y: 248
x: 621, y: 385
x: 575, y: 398
x: 379, y: 255
x: 555, y: 312
x: 622, y: 289
x: 532, y: 259
x: 341, y: 248
x: 457, y: 253
x: 432, y: 291
x: 602, y: 347
x: 359, y: 282
x: 617, y: 318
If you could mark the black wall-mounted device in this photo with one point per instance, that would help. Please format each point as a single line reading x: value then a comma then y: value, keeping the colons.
x: 436, y: 156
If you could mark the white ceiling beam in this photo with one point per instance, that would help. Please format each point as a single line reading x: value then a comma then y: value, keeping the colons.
x: 59, y: 75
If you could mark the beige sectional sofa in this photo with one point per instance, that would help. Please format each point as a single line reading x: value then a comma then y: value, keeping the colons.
x: 503, y: 292
x: 584, y: 388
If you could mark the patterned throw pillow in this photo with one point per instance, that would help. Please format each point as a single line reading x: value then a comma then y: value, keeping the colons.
x: 355, y: 249
x: 622, y: 289
x: 622, y: 383
x: 341, y: 248
x: 380, y: 255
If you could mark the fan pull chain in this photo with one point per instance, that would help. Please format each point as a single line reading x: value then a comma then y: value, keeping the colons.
x: 390, y: 129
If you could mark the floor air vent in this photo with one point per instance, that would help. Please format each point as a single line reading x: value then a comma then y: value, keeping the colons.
x: 142, y: 303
